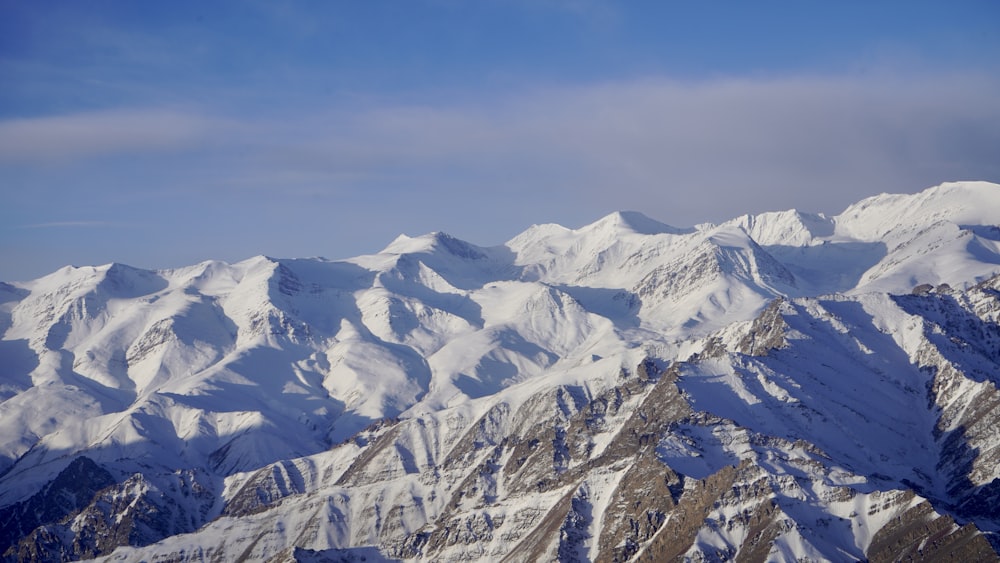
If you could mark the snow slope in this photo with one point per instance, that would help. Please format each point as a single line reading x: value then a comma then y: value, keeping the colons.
x: 440, y: 400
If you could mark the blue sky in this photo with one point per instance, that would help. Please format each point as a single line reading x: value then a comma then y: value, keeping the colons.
x: 160, y: 134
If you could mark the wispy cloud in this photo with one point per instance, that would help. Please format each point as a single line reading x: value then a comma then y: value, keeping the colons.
x: 67, y: 224
x: 682, y: 151
x: 691, y: 149
x: 83, y: 135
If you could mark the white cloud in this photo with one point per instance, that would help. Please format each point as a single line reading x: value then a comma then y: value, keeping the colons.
x: 698, y: 150
x: 683, y: 152
x: 55, y: 138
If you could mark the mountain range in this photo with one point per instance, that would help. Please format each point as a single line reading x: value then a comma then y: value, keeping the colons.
x: 783, y: 386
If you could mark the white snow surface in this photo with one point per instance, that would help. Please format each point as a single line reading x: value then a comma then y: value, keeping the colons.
x: 234, y: 367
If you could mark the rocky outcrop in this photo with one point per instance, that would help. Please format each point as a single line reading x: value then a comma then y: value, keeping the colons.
x: 265, y: 488
x: 960, y: 350
x: 621, y: 392
x: 71, y: 491
x: 564, y: 476
x: 767, y: 332
x: 135, y: 512
x: 920, y: 534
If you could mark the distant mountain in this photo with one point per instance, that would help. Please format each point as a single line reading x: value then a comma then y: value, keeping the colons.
x: 782, y: 386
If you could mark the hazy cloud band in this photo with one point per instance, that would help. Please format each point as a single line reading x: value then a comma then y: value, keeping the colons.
x: 697, y: 150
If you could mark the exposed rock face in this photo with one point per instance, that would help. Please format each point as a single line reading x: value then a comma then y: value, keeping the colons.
x: 549, y: 491
x: 767, y: 331
x: 133, y: 512
x: 770, y: 389
x: 919, y: 534
x: 633, y: 473
x: 265, y: 488
x: 960, y: 348
x: 71, y: 491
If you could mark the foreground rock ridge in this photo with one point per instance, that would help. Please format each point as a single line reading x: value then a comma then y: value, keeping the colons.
x: 780, y: 387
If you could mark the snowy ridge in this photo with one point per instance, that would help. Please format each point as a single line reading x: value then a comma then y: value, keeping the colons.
x: 623, y: 390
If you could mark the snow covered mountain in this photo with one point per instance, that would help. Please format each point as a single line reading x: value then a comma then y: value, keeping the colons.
x: 778, y: 387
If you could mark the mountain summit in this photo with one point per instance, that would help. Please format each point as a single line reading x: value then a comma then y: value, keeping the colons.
x: 781, y: 386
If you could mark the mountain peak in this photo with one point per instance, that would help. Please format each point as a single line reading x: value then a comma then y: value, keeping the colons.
x: 634, y: 222
x: 393, y: 398
x: 434, y: 242
x: 962, y: 203
x: 787, y: 228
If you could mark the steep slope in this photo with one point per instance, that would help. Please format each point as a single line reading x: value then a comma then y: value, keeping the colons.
x: 945, y: 234
x: 780, y: 386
